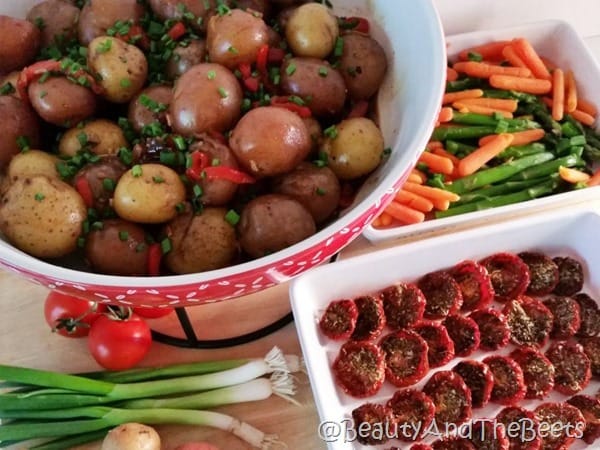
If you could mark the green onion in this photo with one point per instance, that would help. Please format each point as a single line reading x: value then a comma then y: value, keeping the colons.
x: 339, y: 47
x: 290, y: 69
x: 123, y: 235
x: 23, y: 143
x: 211, y: 74
x: 222, y: 92
x: 104, y: 46
x: 323, y: 71
x: 108, y: 184
x: 7, y: 88
x: 197, y: 191
x: 166, y: 246
x: 136, y: 170
x: 331, y: 132
x: 232, y: 217
x: 125, y: 83
x: 158, y: 179
x: 39, y: 196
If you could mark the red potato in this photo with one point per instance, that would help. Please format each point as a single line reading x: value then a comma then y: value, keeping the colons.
x: 20, y: 43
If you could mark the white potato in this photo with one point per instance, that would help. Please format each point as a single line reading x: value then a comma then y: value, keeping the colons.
x: 131, y: 436
x: 103, y: 137
x: 32, y: 162
x: 354, y: 149
x: 42, y: 216
x: 148, y: 193
x: 312, y: 30
x: 122, y: 67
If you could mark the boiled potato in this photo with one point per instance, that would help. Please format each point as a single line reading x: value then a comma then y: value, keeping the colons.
x: 312, y: 30
x: 201, y: 242
x: 354, y: 148
x: 102, y: 136
x: 148, y: 193
x: 32, y: 162
x: 131, y: 436
x: 42, y: 216
x: 122, y: 67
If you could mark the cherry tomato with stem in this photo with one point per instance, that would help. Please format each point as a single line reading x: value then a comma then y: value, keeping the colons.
x: 119, y: 339
x: 70, y: 316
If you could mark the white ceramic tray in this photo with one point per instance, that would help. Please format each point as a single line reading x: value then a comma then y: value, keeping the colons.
x: 572, y: 234
x: 557, y: 41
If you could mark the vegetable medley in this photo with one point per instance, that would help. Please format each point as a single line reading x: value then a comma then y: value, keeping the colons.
x: 182, y: 136
x: 512, y: 127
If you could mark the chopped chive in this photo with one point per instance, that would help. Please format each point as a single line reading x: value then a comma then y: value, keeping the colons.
x: 233, y: 50
x: 320, y: 191
x: 331, y: 132
x: 222, y: 92
x: 211, y: 74
x: 104, y: 46
x: 125, y: 155
x: 43, y: 94
x: 151, y: 104
x: 97, y: 225
x: 108, y: 184
x: 246, y: 104
x: 290, y: 69
x: 136, y: 170
x: 166, y: 246
x: 323, y: 71
x: 80, y: 242
x: 39, y: 22
x: 44, y: 77
x: 168, y: 158
x: 158, y: 179
x: 180, y: 207
x: 473, y: 56
x: 232, y: 217
x: 123, y: 235
x: 7, y: 88
x: 179, y: 142
x: 125, y: 83
x: 339, y: 47
x: 197, y: 189
x: 297, y: 100
x: 39, y: 196
x: 82, y: 137
x: 141, y: 247
x: 386, y: 152
x: 23, y: 143
x: 215, y: 162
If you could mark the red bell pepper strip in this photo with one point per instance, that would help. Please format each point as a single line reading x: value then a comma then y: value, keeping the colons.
x: 251, y: 84
x: 245, y: 70
x: 359, y: 24
x: 199, y: 163
x: 33, y: 71
x: 154, y: 259
x: 85, y: 190
x: 359, y: 109
x: 284, y: 102
x: 229, y: 174
x: 177, y: 31
x: 262, y: 59
x: 136, y: 35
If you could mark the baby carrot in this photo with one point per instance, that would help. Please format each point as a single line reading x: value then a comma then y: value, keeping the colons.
x: 583, y: 117
x: 437, y: 164
x: 376, y: 223
x: 510, y: 54
x: 489, y: 50
x: 445, y: 115
x: 441, y: 152
x: 431, y: 192
x: 404, y: 214
x: 467, y: 108
x: 573, y: 175
x: 414, y: 201
x: 451, y: 74
x: 434, y: 144
x: 418, y: 174
x: 570, y: 92
x: 521, y: 84
x: 385, y: 219
x: 451, y: 97
x: 587, y: 107
x: 594, y: 180
x: 506, y: 104
x: 484, y: 70
x: 440, y: 204
x: 519, y: 137
x: 531, y: 59
x: 558, y: 94
x: 475, y: 160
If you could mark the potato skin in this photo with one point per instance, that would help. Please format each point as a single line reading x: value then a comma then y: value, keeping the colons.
x: 241, y: 31
x: 150, y: 197
x: 270, y: 141
x: 61, y: 102
x: 42, y: 216
x: 139, y: 115
x: 109, y: 167
x: 356, y: 150
x: 272, y: 222
x: 58, y: 18
x: 32, y: 162
x: 363, y: 65
x: 97, y: 16
x: 11, y: 78
x: 317, y: 188
x: 103, y: 136
x: 170, y: 9
x: 200, y: 242
x: 18, y: 119
x: 123, y: 68
x: 119, y: 248
x: 184, y: 58
x: 315, y: 79
x: 311, y: 30
x: 20, y: 43
x: 208, y: 97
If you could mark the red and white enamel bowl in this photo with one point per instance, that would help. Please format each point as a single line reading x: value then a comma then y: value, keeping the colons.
x: 408, y: 104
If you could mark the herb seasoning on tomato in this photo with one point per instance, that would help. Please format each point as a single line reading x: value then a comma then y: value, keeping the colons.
x: 360, y: 368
